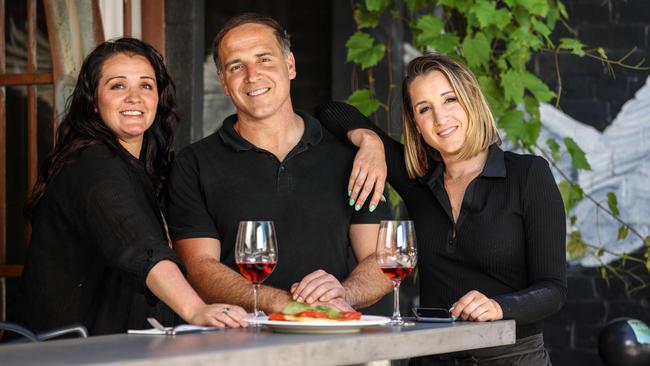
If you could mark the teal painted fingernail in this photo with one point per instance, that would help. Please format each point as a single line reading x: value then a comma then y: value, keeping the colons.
x: 351, y: 201
x: 349, y: 193
x: 357, y: 207
x: 372, y: 208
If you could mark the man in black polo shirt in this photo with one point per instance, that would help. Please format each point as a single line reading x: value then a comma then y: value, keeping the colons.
x: 269, y: 162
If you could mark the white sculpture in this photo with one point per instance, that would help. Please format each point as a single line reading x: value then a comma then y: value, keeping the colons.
x: 620, y: 161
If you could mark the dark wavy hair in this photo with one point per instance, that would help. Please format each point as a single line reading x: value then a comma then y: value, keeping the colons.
x: 82, y: 125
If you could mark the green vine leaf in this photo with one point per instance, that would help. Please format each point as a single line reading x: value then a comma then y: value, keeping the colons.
x: 537, y: 87
x: 578, y: 158
x: 576, y: 247
x: 429, y: 27
x: 363, y: 100
x: 430, y: 35
x: 555, y: 149
x: 600, y: 252
x: 622, y: 232
x: 377, y: 5
x: 533, y: 128
x: 502, y: 18
x: 552, y: 18
x: 612, y: 203
x: 562, y: 9
x: 513, y: 88
x: 523, y: 37
x: 536, y: 7
x: 476, y: 50
x: 517, y: 55
x: 366, y: 19
x: 445, y: 43
x: 493, y: 93
x: 571, y: 194
x: 361, y: 50
x: 576, y: 47
x: 542, y: 29
x: 532, y: 106
x: 513, y: 124
x: 484, y: 11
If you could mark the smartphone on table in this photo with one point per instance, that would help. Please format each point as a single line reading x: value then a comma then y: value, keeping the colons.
x: 433, y: 315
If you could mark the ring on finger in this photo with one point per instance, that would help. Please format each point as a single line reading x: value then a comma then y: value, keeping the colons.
x: 225, y: 309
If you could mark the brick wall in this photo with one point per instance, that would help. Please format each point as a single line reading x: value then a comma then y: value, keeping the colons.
x: 590, y: 93
x: 592, y: 96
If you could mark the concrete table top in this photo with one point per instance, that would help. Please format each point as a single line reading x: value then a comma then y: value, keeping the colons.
x: 262, y: 347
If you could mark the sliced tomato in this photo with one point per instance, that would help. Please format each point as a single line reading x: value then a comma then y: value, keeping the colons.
x: 350, y: 315
x: 277, y: 316
x: 311, y: 314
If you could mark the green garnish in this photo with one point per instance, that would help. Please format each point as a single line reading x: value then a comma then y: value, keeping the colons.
x: 298, y: 307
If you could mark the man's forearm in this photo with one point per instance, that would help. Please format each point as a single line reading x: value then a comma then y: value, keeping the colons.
x: 367, y: 284
x: 217, y: 283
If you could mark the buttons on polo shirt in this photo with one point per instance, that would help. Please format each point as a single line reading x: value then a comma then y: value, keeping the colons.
x: 285, y: 181
x: 451, y: 241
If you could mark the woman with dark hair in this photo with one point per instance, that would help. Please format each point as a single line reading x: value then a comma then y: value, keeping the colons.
x: 99, y: 252
x: 490, y: 223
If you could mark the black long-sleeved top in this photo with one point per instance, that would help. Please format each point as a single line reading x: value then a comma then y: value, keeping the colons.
x: 97, y: 231
x: 510, y: 234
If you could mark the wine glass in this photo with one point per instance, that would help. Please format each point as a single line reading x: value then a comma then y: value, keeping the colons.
x: 396, y: 256
x: 256, y: 253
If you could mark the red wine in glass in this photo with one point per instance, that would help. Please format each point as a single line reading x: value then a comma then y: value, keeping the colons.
x: 396, y: 256
x: 396, y: 273
x: 256, y: 253
x: 256, y: 272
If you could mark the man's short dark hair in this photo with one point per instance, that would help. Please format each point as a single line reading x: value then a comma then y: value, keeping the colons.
x: 246, y: 18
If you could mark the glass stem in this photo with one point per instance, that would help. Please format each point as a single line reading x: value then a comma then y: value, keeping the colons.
x: 256, y: 311
x: 396, y: 313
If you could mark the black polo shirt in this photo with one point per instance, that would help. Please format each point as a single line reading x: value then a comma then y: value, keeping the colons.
x: 508, y: 242
x: 224, y: 179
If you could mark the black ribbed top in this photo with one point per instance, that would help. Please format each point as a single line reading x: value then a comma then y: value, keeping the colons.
x: 510, y: 234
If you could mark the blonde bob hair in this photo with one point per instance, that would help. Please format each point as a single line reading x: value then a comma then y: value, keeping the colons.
x: 481, y: 129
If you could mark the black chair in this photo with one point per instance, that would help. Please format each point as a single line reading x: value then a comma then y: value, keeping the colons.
x: 79, y: 330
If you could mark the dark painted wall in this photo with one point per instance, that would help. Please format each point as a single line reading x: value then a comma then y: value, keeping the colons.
x: 184, y: 32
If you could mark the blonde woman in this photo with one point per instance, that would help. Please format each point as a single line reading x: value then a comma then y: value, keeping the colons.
x: 490, y: 224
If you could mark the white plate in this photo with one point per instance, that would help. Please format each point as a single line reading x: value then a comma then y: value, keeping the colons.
x: 349, y: 326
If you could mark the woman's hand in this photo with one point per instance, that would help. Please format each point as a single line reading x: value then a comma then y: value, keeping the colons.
x: 219, y: 315
x: 475, y: 306
x: 368, y: 171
